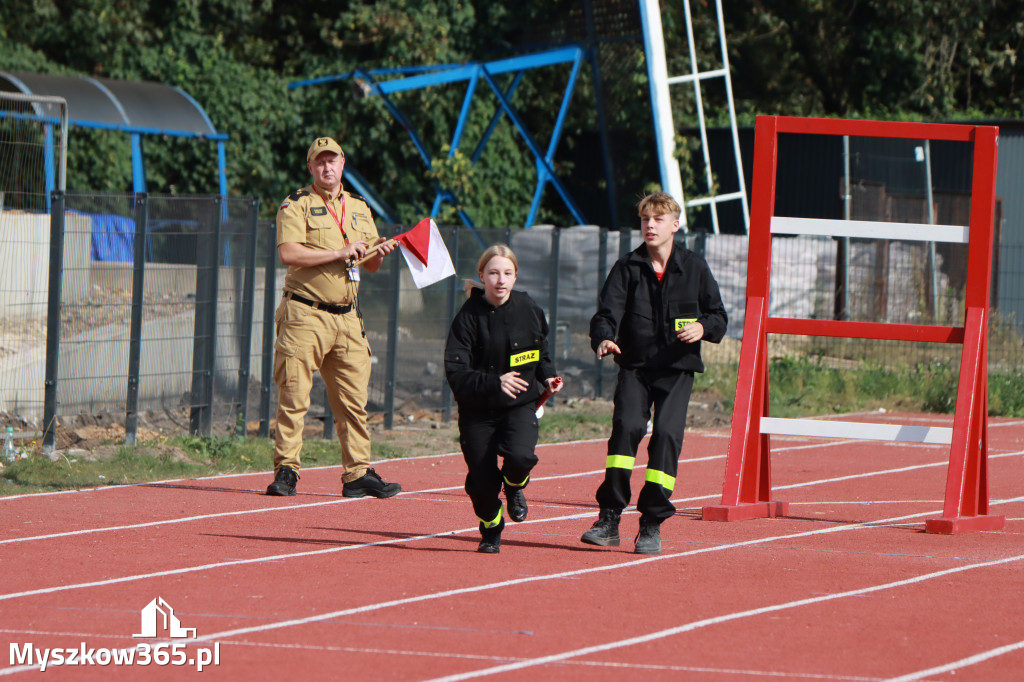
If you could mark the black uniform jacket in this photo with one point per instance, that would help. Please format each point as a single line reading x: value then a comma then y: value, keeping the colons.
x: 487, y: 341
x: 642, y: 316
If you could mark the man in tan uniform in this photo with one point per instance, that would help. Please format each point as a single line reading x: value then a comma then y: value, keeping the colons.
x: 321, y: 229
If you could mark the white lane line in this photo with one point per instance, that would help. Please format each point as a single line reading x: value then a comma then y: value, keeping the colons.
x: 704, y: 434
x: 184, y: 519
x: 962, y: 663
x: 883, y: 472
x: 1012, y: 423
x: 565, y: 574
x: 203, y: 517
x: 281, y: 557
x: 79, y: 491
x: 218, y: 636
x: 128, y: 486
x: 222, y: 564
x: 295, y: 555
x: 555, y: 576
x: 717, y: 620
x: 591, y: 664
x: 455, y: 655
x: 727, y: 671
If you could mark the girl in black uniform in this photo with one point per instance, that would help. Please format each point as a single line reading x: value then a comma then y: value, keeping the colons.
x: 497, y: 364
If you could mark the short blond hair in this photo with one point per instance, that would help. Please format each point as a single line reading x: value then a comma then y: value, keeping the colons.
x: 658, y: 203
x: 503, y: 250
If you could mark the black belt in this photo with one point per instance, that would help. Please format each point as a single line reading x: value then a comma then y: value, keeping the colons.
x: 326, y: 307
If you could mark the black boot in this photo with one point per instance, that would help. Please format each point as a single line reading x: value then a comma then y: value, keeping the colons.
x: 517, y: 509
x: 605, y: 531
x: 370, y: 484
x: 490, y: 538
x: 648, y: 540
x: 284, y: 482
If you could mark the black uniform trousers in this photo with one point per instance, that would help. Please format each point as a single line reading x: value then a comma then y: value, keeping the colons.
x: 635, y: 392
x: 510, y: 433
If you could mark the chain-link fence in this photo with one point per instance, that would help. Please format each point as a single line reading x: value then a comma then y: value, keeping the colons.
x: 164, y: 309
x: 148, y: 307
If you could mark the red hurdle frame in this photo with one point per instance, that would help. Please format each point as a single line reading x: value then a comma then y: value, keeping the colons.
x: 747, y: 490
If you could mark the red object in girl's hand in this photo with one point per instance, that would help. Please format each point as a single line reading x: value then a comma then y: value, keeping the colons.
x: 547, y: 394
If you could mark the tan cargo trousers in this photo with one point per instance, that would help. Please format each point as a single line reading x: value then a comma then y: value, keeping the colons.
x: 309, y: 340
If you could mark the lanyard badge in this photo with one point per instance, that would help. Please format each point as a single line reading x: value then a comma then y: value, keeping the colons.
x: 341, y: 222
x: 353, y: 271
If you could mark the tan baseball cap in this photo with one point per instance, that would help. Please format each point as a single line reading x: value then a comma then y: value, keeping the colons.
x: 323, y: 144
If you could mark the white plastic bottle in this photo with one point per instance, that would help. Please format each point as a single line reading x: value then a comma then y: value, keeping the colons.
x: 9, y: 453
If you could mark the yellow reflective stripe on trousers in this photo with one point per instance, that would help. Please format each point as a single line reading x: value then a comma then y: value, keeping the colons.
x: 518, y: 485
x: 493, y: 522
x: 661, y: 478
x: 619, y: 462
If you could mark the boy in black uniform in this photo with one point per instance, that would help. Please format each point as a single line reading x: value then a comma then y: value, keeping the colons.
x: 658, y: 303
x: 496, y: 360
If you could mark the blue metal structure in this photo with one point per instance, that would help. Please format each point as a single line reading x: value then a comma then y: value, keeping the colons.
x: 414, y: 78
x: 134, y: 107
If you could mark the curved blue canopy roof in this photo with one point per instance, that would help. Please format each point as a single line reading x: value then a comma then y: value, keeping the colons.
x: 134, y: 107
x: 106, y: 102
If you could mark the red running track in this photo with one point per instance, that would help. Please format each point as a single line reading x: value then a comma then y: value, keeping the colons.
x: 319, y: 587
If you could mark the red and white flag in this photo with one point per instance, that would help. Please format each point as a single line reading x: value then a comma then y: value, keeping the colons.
x: 425, y: 253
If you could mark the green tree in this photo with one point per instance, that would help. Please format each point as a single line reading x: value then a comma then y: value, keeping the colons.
x: 924, y: 59
x: 882, y: 58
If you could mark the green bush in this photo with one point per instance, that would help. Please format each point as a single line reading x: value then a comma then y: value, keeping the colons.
x: 805, y: 386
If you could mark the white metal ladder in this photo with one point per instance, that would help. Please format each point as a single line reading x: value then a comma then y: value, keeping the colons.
x: 657, y: 72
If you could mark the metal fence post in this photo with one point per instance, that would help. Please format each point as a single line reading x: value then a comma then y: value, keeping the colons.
x: 841, y: 289
x: 204, y: 345
x: 556, y: 252
x: 131, y: 418
x: 392, y: 345
x: 594, y: 57
x: 602, y: 268
x: 269, y: 295
x: 56, y: 280
x: 245, y: 324
x: 841, y: 294
x: 700, y: 244
x: 453, y: 289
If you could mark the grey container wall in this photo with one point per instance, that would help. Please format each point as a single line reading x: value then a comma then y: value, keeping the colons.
x: 811, y: 188
x: 1009, y: 295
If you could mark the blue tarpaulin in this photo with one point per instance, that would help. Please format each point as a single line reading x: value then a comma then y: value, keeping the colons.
x: 113, y: 238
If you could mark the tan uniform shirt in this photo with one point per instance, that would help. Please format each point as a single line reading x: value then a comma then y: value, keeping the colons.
x: 304, y: 218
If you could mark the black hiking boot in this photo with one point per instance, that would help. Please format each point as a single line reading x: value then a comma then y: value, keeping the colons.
x: 648, y: 540
x: 517, y: 509
x: 370, y: 484
x: 490, y: 538
x: 284, y: 482
x: 605, y: 531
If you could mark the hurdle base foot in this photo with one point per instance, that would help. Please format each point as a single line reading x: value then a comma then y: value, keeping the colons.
x: 744, y: 512
x: 964, y: 524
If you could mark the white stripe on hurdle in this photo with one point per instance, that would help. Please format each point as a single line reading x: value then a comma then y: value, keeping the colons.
x: 857, y: 430
x: 871, y: 229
